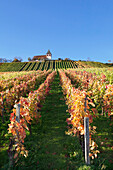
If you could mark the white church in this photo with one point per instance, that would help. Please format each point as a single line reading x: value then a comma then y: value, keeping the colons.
x: 48, y: 56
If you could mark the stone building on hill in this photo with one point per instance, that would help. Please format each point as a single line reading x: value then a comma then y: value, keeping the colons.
x: 48, y: 56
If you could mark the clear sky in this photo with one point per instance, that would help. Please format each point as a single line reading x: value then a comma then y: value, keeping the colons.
x: 76, y: 29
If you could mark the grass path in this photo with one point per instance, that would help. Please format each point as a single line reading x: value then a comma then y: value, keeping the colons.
x: 49, y: 147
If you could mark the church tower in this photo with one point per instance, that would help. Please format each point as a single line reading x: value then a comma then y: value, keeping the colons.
x: 49, y: 55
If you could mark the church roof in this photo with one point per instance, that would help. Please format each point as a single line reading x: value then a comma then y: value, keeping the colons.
x: 39, y: 56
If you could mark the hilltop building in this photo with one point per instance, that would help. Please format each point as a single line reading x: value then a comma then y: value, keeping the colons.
x: 48, y: 56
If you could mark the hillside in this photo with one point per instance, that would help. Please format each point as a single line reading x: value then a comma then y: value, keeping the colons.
x: 46, y: 65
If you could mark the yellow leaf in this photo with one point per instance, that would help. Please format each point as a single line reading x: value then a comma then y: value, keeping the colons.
x: 92, y: 157
x: 94, y: 127
x: 18, y: 149
x: 95, y: 155
x: 22, y: 152
x: 92, y: 104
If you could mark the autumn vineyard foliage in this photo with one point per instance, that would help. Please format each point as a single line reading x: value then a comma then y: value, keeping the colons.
x: 30, y: 109
x: 86, y: 93
x: 75, y: 99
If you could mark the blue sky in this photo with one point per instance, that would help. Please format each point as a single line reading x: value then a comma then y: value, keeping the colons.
x: 77, y: 29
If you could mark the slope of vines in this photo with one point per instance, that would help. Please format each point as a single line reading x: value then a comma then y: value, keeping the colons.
x: 49, y: 64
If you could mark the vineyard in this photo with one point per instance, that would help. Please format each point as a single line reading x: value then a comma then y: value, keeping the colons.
x: 49, y: 64
x: 43, y: 106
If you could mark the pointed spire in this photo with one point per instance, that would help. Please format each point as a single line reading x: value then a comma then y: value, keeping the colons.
x: 48, y: 52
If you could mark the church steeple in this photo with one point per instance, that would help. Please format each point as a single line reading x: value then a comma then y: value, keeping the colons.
x: 48, y: 54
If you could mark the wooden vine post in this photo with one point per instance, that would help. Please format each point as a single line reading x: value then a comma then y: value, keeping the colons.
x: 18, y: 113
x: 12, y: 141
x: 3, y: 109
x: 86, y: 136
x: 86, y: 140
